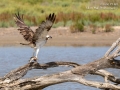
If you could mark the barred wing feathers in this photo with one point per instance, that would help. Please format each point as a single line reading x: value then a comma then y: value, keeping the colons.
x: 23, y: 28
x: 43, y: 29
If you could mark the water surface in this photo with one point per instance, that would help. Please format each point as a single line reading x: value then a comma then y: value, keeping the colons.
x: 13, y: 57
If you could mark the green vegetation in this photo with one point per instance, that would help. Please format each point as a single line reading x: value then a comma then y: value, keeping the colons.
x: 73, y: 13
x: 78, y: 26
x: 108, y: 28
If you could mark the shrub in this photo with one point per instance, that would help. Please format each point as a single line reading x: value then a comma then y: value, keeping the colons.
x: 3, y: 24
x: 77, y: 27
x: 94, y: 27
x: 108, y: 28
x: 73, y: 29
x: 80, y: 26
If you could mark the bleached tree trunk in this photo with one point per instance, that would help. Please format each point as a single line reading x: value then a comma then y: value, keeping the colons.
x: 13, y: 81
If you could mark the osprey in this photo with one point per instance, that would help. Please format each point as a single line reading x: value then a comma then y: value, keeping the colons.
x: 38, y: 38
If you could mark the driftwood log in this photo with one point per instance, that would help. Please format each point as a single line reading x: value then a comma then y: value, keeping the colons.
x: 13, y: 81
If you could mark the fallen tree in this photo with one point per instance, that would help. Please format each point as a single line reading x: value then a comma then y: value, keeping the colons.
x: 13, y: 81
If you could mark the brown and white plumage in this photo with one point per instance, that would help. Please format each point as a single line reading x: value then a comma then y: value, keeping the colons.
x: 37, y: 38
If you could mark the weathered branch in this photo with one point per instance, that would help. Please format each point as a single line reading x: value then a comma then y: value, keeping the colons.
x: 21, y: 71
x: 115, y: 54
x: 98, y: 84
x: 108, y: 76
x: 45, y: 81
x: 71, y: 75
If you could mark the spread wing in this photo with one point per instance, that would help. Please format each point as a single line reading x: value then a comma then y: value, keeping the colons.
x: 23, y: 28
x: 43, y: 29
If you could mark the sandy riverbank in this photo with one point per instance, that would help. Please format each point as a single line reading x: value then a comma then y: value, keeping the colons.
x: 62, y: 37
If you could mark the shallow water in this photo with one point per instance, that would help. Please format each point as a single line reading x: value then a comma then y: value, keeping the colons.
x: 13, y: 57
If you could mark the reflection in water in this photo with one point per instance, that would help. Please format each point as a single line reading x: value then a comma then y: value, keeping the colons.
x: 13, y: 57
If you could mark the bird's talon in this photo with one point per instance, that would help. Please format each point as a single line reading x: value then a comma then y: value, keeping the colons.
x: 33, y: 59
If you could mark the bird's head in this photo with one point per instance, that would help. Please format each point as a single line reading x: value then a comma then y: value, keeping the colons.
x: 48, y: 37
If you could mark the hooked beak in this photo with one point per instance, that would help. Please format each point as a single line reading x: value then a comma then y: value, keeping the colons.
x: 50, y: 37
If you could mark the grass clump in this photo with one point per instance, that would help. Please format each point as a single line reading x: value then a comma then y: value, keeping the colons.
x: 94, y: 27
x: 108, y: 28
x: 77, y: 27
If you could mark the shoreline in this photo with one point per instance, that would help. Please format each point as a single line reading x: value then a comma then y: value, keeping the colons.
x: 62, y: 37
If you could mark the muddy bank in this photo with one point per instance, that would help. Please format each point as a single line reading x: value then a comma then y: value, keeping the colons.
x: 62, y: 37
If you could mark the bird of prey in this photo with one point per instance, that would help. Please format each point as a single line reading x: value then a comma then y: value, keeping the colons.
x: 38, y: 38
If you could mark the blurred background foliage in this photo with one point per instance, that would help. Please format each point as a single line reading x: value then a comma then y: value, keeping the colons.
x: 73, y: 13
